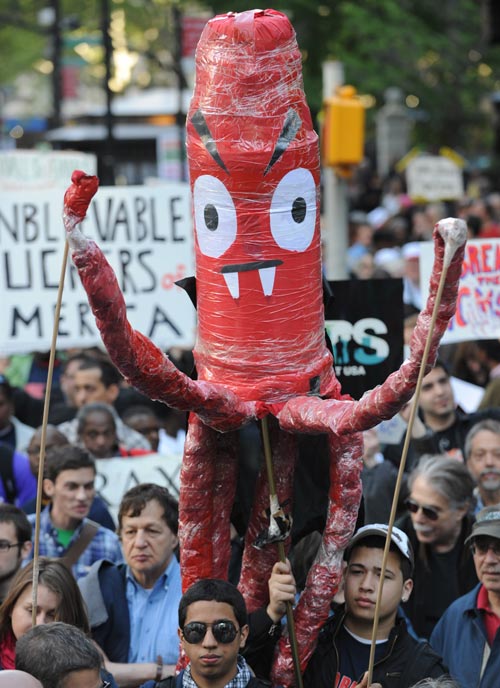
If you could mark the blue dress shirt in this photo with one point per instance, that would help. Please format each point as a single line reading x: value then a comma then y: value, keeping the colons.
x: 154, y: 618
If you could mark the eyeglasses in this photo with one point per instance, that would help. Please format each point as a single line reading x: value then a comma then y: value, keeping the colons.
x: 428, y: 511
x: 223, y: 631
x: 5, y: 546
x: 482, y: 547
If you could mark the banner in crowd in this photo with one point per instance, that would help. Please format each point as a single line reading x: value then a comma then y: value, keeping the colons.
x: 364, y: 322
x: 478, y: 305
x: 434, y: 178
x: 21, y: 170
x: 116, y: 476
x: 146, y: 234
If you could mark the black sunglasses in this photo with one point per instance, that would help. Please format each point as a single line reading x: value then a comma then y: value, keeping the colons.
x: 428, y: 511
x: 223, y: 631
x: 482, y: 547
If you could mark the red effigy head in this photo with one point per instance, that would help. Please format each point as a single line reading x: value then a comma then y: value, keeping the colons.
x: 254, y: 172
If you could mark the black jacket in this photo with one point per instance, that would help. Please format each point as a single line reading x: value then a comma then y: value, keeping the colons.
x: 406, y: 662
x: 440, y: 442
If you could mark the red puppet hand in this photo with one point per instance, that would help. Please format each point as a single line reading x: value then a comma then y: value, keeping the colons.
x: 79, y: 194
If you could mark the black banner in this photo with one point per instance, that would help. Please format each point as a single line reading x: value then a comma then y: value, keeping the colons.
x: 364, y: 321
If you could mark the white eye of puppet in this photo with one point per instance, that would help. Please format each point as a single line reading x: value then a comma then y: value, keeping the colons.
x: 293, y: 210
x: 214, y: 215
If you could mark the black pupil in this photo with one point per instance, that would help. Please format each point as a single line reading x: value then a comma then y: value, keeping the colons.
x: 299, y: 209
x: 211, y: 217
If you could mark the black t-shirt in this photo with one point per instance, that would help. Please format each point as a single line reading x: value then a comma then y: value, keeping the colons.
x: 444, y: 589
x: 354, y: 656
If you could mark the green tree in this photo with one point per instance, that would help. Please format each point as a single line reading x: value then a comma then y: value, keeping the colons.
x: 435, y: 52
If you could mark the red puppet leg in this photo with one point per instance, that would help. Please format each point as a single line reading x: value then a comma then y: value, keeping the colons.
x: 208, y: 484
x: 326, y: 572
x: 257, y: 563
x: 225, y: 481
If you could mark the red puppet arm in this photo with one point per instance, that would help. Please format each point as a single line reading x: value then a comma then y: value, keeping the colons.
x: 142, y: 363
x: 312, y: 414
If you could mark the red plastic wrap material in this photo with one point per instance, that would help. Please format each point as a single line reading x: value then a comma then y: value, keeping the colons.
x: 383, y: 402
x: 80, y: 193
x: 260, y: 349
x: 257, y: 564
x: 325, y: 574
x: 254, y: 172
x: 142, y: 363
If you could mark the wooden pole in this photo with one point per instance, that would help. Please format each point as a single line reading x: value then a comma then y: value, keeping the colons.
x: 273, y: 498
x: 397, y: 489
x: 41, y: 464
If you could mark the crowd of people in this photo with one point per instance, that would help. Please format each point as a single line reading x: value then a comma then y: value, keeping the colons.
x: 110, y: 609
x: 120, y: 583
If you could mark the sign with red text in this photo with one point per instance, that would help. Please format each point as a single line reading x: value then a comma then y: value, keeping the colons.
x: 146, y: 234
x: 478, y: 306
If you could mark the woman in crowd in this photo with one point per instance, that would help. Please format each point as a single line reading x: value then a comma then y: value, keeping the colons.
x: 438, y: 521
x: 58, y: 599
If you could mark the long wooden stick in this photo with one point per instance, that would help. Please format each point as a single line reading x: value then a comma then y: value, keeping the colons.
x: 397, y: 489
x: 273, y: 497
x: 41, y: 464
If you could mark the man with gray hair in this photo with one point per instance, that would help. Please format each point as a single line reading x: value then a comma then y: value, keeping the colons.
x: 468, y: 634
x: 437, y: 523
x: 61, y: 656
x: 482, y: 455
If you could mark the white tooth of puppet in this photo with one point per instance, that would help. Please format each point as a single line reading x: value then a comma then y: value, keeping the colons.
x: 267, y: 276
x: 233, y: 283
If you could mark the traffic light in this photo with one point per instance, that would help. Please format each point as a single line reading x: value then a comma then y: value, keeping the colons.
x: 343, y: 130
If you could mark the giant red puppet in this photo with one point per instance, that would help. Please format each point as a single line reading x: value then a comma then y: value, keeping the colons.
x: 260, y: 348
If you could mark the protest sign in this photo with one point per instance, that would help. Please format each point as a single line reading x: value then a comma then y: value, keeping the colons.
x: 29, y: 169
x: 116, y: 476
x: 365, y: 324
x: 146, y: 234
x: 478, y: 305
x: 434, y: 178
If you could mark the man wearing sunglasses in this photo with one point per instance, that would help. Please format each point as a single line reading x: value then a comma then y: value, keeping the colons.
x: 437, y: 523
x: 468, y: 634
x: 213, y: 628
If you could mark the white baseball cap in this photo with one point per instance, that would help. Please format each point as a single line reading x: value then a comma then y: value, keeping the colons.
x: 399, y: 538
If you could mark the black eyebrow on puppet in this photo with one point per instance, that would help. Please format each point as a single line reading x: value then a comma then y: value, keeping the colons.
x: 200, y: 124
x: 290, y: 128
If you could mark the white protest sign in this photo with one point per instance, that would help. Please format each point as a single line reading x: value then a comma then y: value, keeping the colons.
x: 478, y: 305
x: 146, y: 234
x: 116, y: 476
x: 28, y: 169
x: 434, y: 178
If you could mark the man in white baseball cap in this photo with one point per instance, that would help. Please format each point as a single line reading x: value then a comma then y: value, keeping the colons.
x: 342, y: 654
